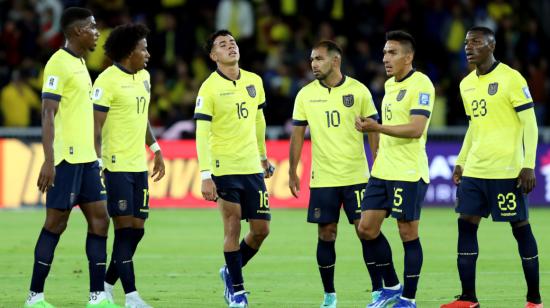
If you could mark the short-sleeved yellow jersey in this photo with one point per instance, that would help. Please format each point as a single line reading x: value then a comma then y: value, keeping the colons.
x: 404, y: 159
x: 491, y: 102
x: 232, y: 106
x: 66, y: 80
x: 338, y: 150
x: 125, y: 97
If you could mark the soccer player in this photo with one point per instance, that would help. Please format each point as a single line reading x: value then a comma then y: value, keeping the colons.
x: 340, y: 171
x: 232, y: 157
x: 495, y: 176
x: 121, y: 97
x: 70, y: 173
x: 400, y: 173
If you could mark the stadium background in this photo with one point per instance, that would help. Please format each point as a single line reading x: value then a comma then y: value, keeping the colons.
x: 177, y: 262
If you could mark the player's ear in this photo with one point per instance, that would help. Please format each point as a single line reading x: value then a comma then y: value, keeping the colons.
x: 213, y: 57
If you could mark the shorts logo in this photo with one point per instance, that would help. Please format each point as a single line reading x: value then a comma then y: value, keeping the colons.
x: 493, y: 88
x: 317, y: 213
x: 401, y: 95
x: 347, y: 100
x: 251, y: 90
x: 526, y: 92
x: 122, y: 205
x: 424, y: 99
x: 147, y: 86
x: 52, y: 82
x: 199, y: 102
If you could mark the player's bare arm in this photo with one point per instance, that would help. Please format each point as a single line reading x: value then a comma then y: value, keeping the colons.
x: 99, y: 121
x: 47, y: 171
x: 158, y: 160
x: 296, y: 144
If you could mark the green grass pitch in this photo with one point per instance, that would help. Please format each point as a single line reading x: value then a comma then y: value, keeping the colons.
x: 178, y: 260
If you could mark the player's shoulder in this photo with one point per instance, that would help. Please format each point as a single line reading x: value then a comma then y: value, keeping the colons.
x: 354, y: 82
x: 58, y: 60
x: 107, y: 76
x: 505, y: 71
x: 308, y: 88
x: 468, y: 79
x: 422, y: 80
x: 248, y: 75
x: 144, y: 74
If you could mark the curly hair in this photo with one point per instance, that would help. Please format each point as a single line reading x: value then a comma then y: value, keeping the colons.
x: 123, y: 40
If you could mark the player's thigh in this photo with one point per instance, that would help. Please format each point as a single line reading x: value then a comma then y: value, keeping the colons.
x: 255, y: 199
x: 407, y: 199
x: 120, y: 193
x: 96, y: 217
x: 507, y: 201
x: 377, y: 195
x: 324, y: 205
x: 352, y: 196
x: 66, y: 188
x: 92, y: 188
x: 472, y: 198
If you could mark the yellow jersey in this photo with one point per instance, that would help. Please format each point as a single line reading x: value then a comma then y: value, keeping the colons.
x: 231, y: 106
x: 491, y: 102
x: 67, y: 81
x: 404, y: 159
x: 338, y: 150
x: 125, y: 97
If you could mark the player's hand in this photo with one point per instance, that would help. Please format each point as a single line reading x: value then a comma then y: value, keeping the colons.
x: 457, y: 174
x: 268, y: 168
x: 294, y: 184
x: 527, y: 180
x: 46, y: 177
x: 158, y: 167
x: 208, y: 189
x: 366, y: 125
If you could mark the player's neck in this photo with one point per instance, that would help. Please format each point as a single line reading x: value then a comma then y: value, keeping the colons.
x: 78, y: 51
x: 333, y: 80
x: 126, y: 65
x: 403, y: 74
x: 486, y: 66
x: 231, y: 71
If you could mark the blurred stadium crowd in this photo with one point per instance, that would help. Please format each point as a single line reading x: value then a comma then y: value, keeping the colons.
x: 275, y: 37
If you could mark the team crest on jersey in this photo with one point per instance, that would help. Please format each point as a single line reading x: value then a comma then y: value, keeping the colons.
x: 347, y: 100
x: 251, y: 90
x: 122, y: 205
x: 147, y: 86
x: 493, y: 88
x: 401, y: 94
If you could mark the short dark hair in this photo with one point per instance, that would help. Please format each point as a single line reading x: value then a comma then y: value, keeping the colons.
x: 71, y: 15
x: 331, y: 46
x: 403, y: 38
x: 210, y: 41
x: 488, y: 33
x: 123, y: 40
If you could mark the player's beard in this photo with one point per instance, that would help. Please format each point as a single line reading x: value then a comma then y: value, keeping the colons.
x: 322, y: 77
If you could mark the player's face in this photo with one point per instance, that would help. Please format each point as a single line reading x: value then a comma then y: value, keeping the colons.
x: 140, y: 56
x: 225, y: 50
x: 396, y: 58
x: 478, y: 48
x: 89, y: 33
x: 321, y: 63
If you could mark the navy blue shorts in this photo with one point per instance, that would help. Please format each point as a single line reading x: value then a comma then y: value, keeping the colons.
x: 127, y: 194
x: 75, y: 184
x: 248, y: 190
x: 501, y: 198
x: 325, y: 202
x: 403, y: 200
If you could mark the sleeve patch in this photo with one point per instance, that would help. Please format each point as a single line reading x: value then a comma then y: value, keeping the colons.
x: 51, y: 82
x: 98, y: 93
x: 199, y: 102
x: 424, y: 99
x: 526, y: 92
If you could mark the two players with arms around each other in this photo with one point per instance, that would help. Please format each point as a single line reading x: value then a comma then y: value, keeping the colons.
x: 230, y: 138
x: 339, y: 173
x: 494, y: 177
x: 70, y: 174
x: 121, y: 97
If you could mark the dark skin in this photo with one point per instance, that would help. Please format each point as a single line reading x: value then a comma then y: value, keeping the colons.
x: 134, y: 62
x: 479, y: 52
x: 81, y: 37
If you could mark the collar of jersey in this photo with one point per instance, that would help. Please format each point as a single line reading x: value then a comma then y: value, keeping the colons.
x: 341, y: 82
x: 225, y: 77
x: 492, y: 68
x: 409, y: 74
x: 70, y: 52
x: 120, y: 67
